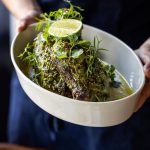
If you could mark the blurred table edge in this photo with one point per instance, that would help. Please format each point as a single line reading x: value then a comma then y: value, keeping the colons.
x: 6, y: 146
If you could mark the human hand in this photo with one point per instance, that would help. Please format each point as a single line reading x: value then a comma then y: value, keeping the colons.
x: 28, y: 19
x: 144, y: 54
x: 24, y: 10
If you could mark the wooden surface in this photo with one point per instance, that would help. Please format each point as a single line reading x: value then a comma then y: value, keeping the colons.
x: 15, y: 147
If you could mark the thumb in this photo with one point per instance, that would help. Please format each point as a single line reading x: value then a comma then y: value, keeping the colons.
x: 27, y: 20
x: 24, y: 23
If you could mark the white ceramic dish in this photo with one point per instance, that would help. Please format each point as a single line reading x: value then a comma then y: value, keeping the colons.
x: 96, y: 114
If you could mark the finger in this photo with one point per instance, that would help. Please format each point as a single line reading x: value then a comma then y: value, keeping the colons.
x: 145, y: 94
x: 145, y: 59
x: 147, y: 68
x: 146, y: 62
x: 139, y: 103
x: 22, y: 25
x: 28, y: 19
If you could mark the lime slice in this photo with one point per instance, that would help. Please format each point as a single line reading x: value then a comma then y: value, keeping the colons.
x: 65, y: 27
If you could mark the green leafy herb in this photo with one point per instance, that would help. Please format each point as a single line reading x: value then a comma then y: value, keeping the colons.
x: 73, y: 12
x: 76, y: 53
x: 61, y: 54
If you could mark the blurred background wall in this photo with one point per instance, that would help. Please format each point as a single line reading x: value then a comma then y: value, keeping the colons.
x: 5, y: 70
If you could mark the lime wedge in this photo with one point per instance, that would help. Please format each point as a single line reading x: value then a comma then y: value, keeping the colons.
x: 65, y: 27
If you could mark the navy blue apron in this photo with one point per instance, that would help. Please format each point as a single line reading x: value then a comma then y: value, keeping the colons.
x: 31, y: 126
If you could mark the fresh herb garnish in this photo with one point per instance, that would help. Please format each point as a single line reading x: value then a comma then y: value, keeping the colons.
x: 68, y: 66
